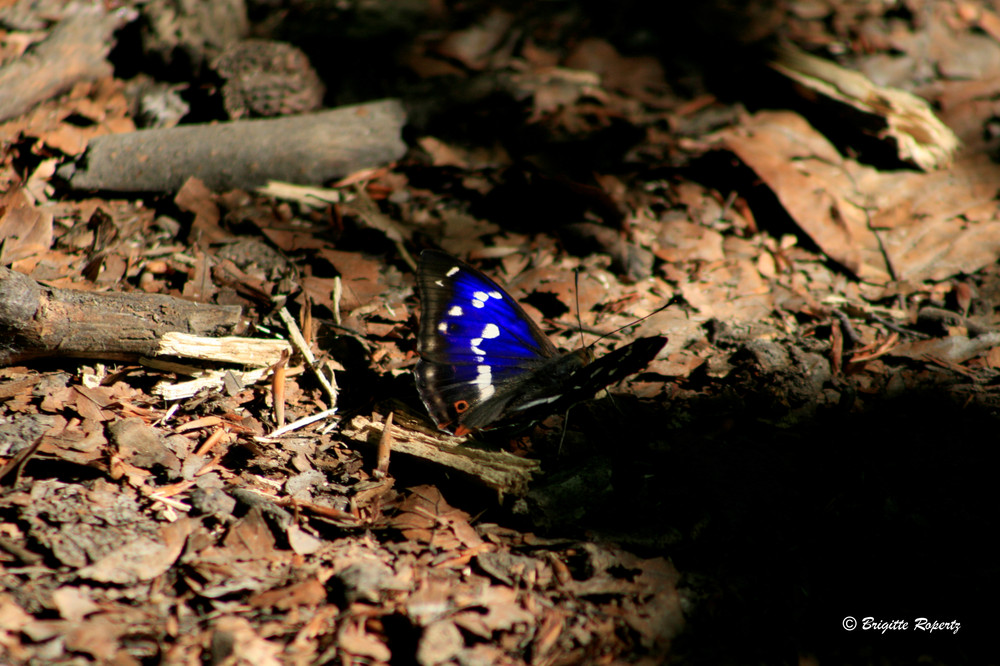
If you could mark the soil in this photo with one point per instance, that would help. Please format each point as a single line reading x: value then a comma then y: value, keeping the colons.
x: 212, y: 448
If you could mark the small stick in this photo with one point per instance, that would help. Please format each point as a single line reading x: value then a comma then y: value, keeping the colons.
x: 278, y: 389
x: 384, y: 447
x: 244, y: 154
x: 212, y: 440
x: 302, y: 347
x: 295, y: 425
x: 18, y: 461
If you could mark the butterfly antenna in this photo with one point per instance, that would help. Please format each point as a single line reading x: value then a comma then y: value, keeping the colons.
x: 565, y: 427
x: 634, y: 323
x: 576, y: 297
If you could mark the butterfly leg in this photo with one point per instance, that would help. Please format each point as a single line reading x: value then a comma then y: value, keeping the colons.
x: 565, y: 427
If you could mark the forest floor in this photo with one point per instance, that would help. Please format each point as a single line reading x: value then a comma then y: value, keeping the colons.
x: 801, y: 196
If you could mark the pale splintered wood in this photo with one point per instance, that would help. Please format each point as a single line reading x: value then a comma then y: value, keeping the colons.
x: 499, y: 470
x: 249, y: 352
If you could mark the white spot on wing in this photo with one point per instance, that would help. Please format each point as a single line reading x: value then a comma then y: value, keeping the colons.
x: 496, y: 295
x: 452, y: 271
x: 455, y: 311
x: 540, y: 401
x: 479, y: 299
x: 484, y: 381
x: 491, y: 331
x: 443, y: 328
x: 474, y: 346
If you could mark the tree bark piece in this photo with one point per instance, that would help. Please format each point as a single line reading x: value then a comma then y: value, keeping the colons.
x: 76, y: 51
x: 245, y: 154
x: 38, y: 321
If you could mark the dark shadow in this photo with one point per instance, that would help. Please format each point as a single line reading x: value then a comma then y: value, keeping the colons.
x: 782, y: 532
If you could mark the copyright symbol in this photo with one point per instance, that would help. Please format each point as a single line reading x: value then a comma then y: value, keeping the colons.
x: 849, y: 623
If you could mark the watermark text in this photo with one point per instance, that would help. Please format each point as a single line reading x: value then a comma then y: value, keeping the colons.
x: 897, y: 625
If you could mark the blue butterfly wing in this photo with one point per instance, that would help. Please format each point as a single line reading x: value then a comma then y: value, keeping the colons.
x: 461, y: 307
x: 482, y: 358
x: 476, y: 343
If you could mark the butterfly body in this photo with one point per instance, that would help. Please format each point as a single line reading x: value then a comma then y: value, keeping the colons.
x: 483, y: 359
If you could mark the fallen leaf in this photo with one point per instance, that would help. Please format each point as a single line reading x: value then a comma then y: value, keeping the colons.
x: 143, y: 558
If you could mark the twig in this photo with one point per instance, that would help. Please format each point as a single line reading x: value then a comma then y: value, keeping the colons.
x: 384, y: 448
x: 295, y: 425
x: 244, y: 154
x: 37, y: 320
x: 278, y: 390
x: 23, y: 554
x: 300, y: 344
x: 19, y: 460
x: 852, y: 336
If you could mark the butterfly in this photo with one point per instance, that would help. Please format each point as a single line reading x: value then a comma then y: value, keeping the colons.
x: 483, y: 360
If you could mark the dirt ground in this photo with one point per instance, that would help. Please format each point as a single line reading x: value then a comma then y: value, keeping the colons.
x: 212, y: 449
